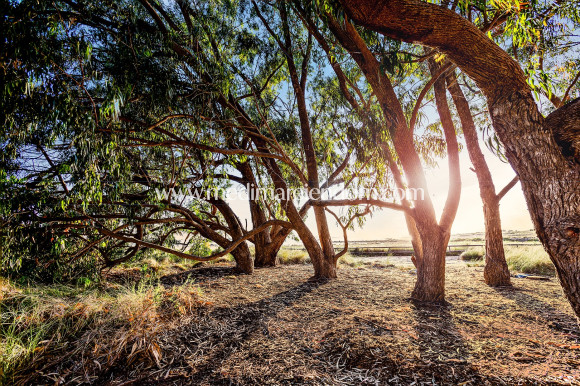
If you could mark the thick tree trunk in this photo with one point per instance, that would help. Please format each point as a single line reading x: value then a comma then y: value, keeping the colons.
x: 550, y: 182
x: 243, y: 259
x: 430, y: 284
x: 496, y: 272
x: 265, y: 255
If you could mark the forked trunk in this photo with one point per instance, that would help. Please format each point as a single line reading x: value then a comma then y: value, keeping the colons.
x: 496, y: 272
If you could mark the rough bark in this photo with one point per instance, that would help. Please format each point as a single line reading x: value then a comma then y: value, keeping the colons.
x: 496, y: 272
x: 242, y: 256
x: 549, y: 178
x: 430, y: 284
x: 566, y: 129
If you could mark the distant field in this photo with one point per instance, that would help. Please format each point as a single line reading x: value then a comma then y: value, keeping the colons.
x: 457, y: 244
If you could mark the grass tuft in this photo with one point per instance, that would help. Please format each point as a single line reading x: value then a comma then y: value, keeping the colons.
x: 473, y: 253
x: 532, y: 260
x: 289, y: 256
x: 350, y: 261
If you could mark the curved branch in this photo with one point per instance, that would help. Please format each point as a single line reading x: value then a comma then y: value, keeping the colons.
x: 183, y: 255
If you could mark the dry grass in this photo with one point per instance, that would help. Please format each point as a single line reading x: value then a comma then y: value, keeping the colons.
x: 524, y: 259
x: 348, y: 260
x: 94, y: 328
x: 293, y: 256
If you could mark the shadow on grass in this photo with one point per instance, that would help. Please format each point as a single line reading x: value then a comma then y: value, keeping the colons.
x: 554, y: 318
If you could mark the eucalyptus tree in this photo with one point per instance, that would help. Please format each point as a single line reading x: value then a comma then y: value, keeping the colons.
x: 125, y: 131
x: 542, y: 150
x: 430, y: 235
x: 82, y: 84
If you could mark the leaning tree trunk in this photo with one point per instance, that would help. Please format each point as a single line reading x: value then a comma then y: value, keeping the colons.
x: 242, y: 256
x: 496, y: 272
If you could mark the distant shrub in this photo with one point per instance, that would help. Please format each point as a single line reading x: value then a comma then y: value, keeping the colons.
x: 289, y: 256
x: 473, y: 253
x: 532, y: 259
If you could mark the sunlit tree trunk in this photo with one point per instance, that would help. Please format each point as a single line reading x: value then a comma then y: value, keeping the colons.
x: 496, y: 272
x: 433, y: 235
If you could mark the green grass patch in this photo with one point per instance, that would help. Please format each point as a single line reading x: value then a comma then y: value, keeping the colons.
x: 293, y: 256
x: 532, y: 260
x: 472, y: 254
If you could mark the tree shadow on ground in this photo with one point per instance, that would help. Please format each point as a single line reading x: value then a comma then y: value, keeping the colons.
x: 554, y: 318
x: 199, y: 275
x: 444, y: 355
x: 221, y: 332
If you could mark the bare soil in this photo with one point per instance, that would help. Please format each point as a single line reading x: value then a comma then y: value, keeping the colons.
x: 276, y: 327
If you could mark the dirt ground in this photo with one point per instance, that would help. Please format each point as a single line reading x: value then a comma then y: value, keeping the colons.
x: 275, y: 327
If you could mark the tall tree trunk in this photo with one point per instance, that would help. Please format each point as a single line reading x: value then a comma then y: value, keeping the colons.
x: 299, y: 87
x: 496, y: 272
x: 541, y: 150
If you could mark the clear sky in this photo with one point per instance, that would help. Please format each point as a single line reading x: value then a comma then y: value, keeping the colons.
x: 391, y: 224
